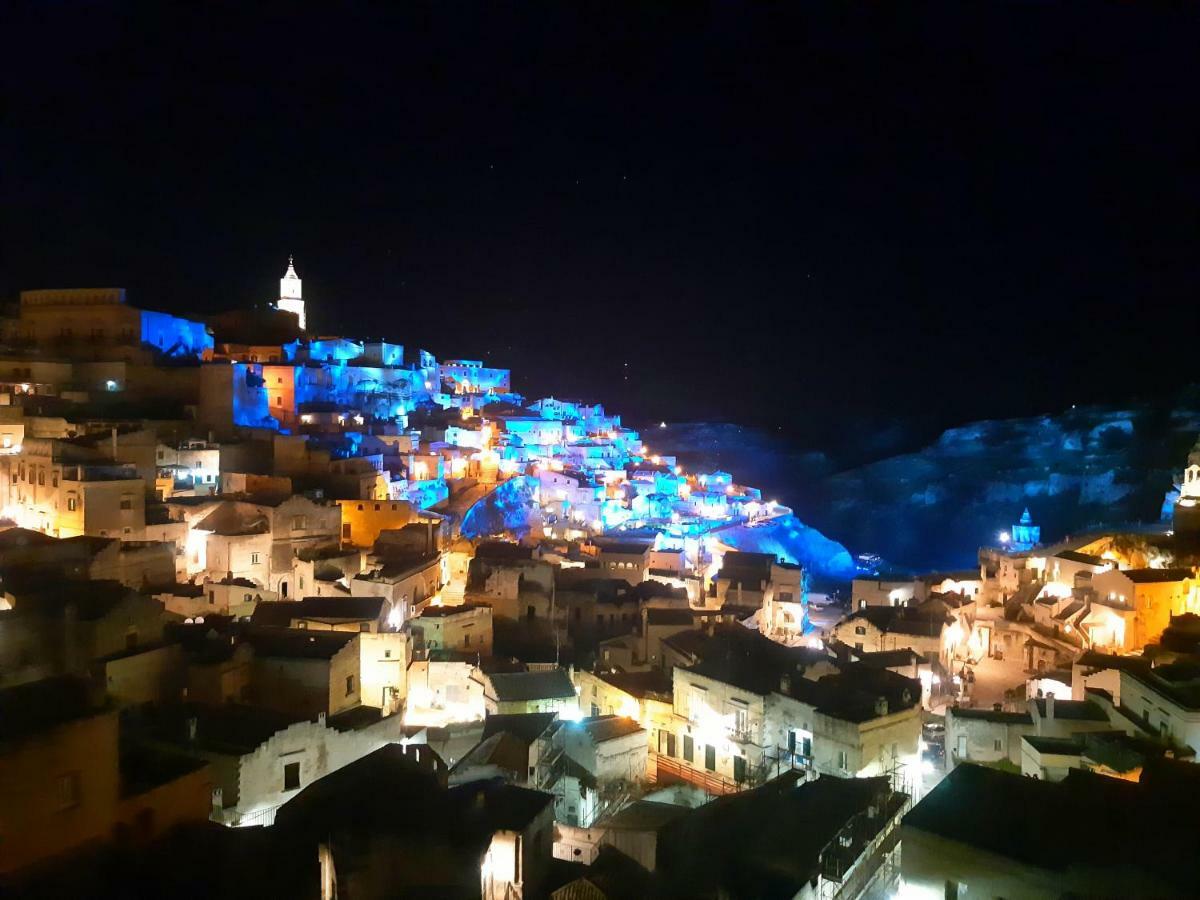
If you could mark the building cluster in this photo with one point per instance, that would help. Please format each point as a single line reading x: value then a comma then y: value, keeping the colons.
x: 309, y: 615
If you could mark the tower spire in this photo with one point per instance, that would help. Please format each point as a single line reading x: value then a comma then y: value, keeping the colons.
x: 290, y: 292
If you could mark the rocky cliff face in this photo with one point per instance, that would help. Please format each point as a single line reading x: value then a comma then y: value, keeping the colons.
x: 934, y: 507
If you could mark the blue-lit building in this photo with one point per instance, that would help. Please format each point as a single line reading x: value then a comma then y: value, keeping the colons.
x: 1025, y: 535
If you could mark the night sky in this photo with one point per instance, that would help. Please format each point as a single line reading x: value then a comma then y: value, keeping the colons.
x: 818, y: 219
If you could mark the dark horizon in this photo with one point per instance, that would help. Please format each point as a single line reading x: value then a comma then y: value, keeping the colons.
x: 821, y: 221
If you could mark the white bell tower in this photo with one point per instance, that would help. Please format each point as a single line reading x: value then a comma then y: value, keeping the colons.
x: 1190, y: 489
x: 290, y: 298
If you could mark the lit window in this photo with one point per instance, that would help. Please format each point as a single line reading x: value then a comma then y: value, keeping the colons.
x: 741, y: 717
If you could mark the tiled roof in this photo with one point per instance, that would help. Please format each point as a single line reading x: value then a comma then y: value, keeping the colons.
x: 520, y: 686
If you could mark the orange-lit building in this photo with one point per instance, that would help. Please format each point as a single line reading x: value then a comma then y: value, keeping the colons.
x: 363, y: 520
x: 62, y: 781
x: 1145, y: 600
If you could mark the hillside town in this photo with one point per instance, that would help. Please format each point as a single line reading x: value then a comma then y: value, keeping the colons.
x: 285, y: 613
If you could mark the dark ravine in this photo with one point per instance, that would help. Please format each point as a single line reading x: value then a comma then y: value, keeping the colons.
x: 933, y: 508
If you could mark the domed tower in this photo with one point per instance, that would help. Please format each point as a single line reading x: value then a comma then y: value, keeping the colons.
x: 290, y: 297
x: 1025, y: 535
x: 1187, y: 507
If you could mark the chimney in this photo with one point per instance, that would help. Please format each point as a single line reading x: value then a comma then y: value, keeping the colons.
x: 1050, y: 707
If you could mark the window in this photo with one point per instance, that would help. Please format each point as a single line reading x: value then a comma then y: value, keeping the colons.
x: 68, y: 790
x: 666, y: 742
x: 843, y: 761
x: 291, y: 776
x: 785, y: 596
x: 349, y: 685
x: 739, y: 769
x: 860, y: 629
x: 279, y: 401
x: 697, y: 701
x: 254, y: 559
x: 741, y: 717
x: 42, y: 477
x: 996, y: 744
x: 72, y: 503
x: 345, y: 531
x: 689, y: 750
x: 126, y: 501
x: 299, y: 523
x: 710, y: 757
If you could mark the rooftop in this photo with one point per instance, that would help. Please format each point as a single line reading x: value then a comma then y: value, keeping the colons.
x: 749, y: 661
x: 902, y: 620
x: 40, y: 706
x: 231, y: 728
x: 769, y: 842
x: 354, y: 609
x: 991, y: 715
x: 1062, y: 746
x: 1154, y: 576
x: 653, y: 683
x: 608, y: 728
x: 1155, y: 858
x: 1073, y: 710
x: 890, y: 659
x: 1177, y: 681
x: 298, y: 643
x: 1085, y: 558
x: 521, y: 686
x: 657, y: 615
x: 526, y: 726
x: 441, y: 612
